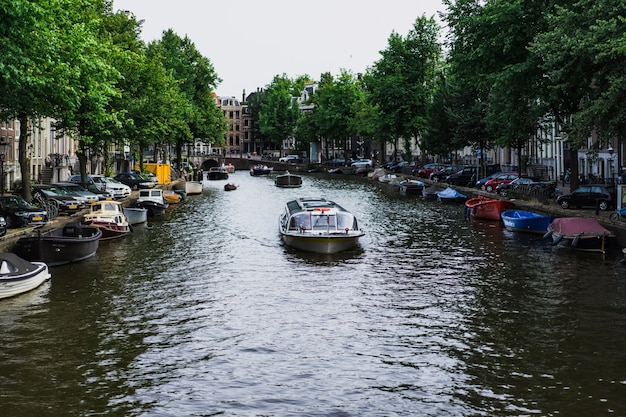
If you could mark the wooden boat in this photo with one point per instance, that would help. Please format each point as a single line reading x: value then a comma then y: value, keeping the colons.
x: 189, y: 187
x: 318, y: 225
x: 72, y: 243
x: 136, y: 215
x: 525, y: 221
x: 411, y: 187
x: 487, y: 208
x: 172, y: 197
x: 217, y: 173
x: 582, y: 233
x: 18, y: 275
x: 230, y: 187
x: 288, y: 180
x: 430, y: 192
x: 451, y: 196
x: 153, y: 201
x: 259, y: 170
x: 109, y: 217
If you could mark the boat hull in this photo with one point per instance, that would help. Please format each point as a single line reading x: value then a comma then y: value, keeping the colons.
x: 288, y: 181
x: 154, y: 209
x: 191, y: 187
x: 71, y: 243
x: 487, y: 208
x: 581, y: 233
x: 111, y: 230
x: 136, y: 215
x: 18, y: 276
x: 217, y: 175
x: 410, y: 187
x: 525, y: 221
x: 325, y: 244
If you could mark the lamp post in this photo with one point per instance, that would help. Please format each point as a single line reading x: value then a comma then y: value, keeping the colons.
x: 611, y: 152
x: 3, y: 145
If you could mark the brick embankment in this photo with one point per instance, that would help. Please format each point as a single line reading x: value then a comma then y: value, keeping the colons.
x: 8, y: 241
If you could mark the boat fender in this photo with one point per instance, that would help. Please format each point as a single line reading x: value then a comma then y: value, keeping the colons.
x: 557, y: 240
x: 347, y: 230
x: 548, y: 234
x: 575, y: 241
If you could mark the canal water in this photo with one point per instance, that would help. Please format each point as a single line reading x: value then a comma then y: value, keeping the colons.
x: 206, y: 313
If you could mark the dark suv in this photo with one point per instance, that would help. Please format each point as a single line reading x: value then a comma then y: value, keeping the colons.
x: 468, y: 176
x: 601, y: 196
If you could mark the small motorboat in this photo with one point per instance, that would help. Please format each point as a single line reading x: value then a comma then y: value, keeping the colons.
x: 136, y: 215
x: 288, y: 180
x: 18, y: 275
x: 430, y: 192
x: 525, y: 221
x: 411, y: 187
x: 189, y: 187
x: 318, y: 225
x: 72, y: 243
x: 487, y: 208
x: 109, y: 217
x: 582, y: 233
x: 451, y: 196
x: 260, y: 170
x: 153, y: 201
x: 172, y: 197
x: 217, y: 173
x: 230, y: 187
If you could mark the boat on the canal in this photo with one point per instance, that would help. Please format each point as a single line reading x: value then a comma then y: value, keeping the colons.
x: 109, y: 217
x: 318, y: 225
x: 260, y: 170
x: 136, y: 215
x: 18, y: 275
x: 71, y: 243
x: 430, y: 192
x: 189, y: 187
x: 451, y: 196
x: 288, y: 180
x: 172, y: 197
x: 217, y: 173
x: 487, y: 208
x: 526, y: 221
x: 582, y: 233
x: 230, y: 187
x: 153, y: 201
x: 411, y: 187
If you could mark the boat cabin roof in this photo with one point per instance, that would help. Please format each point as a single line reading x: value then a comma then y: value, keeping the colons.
x: 320, y: 205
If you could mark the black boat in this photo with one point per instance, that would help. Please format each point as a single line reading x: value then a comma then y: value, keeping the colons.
x: 72, y: 243
x: 217, y: 173
x: 153, y: 201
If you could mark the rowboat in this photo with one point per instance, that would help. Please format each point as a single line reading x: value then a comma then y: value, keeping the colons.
x: 318, y: 225
x: 451, y: 196
x: 487, y: 208
x: 525, y: 221
x: 582, y: 233
x: 18, y: 275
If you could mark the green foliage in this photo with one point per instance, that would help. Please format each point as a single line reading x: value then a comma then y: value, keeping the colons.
x: 278, y: 111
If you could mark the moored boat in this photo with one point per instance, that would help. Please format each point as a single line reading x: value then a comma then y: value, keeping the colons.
x: 582, y: 233
x: 259, y: 170
x: 411, y: 187
x: 109, y: 217
x: 525, y: 221
x: 153, y: 201
x: 487, y: 208
x: 451, y: 196
x: 71, y: 243
x: 18, y: 275
x: 136, y: 215
x: 318, y: 225
x: 172, y: 197
x: 288, y: 180
x: 217, y: 173
x: 430, y: 192
x: 189, y: 187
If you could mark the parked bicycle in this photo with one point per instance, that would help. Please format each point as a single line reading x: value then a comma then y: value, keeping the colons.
x: 51, y: 205
x: 618, y: 214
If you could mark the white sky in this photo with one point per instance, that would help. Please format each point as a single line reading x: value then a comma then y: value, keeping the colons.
x: 250, y: 41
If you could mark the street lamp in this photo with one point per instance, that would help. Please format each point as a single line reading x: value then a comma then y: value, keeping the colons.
x: 3, y: 145
x: 611, y: 152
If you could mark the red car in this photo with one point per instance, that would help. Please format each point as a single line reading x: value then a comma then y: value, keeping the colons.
x: 426, y: 170
x: 503, y: 178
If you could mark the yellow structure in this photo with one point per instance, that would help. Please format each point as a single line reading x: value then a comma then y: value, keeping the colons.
x: 162, y: 171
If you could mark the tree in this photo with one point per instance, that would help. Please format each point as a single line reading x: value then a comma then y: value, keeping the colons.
x: 278, y: 111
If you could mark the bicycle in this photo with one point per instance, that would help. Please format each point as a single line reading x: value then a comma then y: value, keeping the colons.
x: 51, y: 206
x: 618, y: 214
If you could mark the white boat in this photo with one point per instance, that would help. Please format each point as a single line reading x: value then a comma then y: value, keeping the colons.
x: 109, y: 217
x: 190, y: 187
x: 18, y: 275
x: 136, y: 215
x: 288, y: 180
x: 318, y: 225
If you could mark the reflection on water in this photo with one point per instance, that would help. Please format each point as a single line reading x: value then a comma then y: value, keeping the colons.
x: 206, y: 312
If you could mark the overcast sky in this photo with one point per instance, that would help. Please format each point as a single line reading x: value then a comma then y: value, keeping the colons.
x: 250, y: 41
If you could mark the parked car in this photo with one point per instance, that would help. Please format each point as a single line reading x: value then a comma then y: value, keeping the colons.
x: 18, y: 212
x: 114, y: 187
x: 481, y: 182
x: 426, y: 170
x: 134, y: 181
x: 67, y: 204
x: 501, y: 178
x: 80, y: 192
x: 292, y: 159
x: 362, y: 163
x: 601, y: 196
x: 524, y: 183
x: 442, y: 174
x: 400, y: 166
x: 468, y: 175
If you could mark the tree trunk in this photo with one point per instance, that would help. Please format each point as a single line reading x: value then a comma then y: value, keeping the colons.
x: 22, y: 157
x: 82, y: 161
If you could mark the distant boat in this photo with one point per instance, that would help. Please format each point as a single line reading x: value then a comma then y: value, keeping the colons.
x: 288, y: 180
x: 260, y: 170
x: 582, y: 233
x: 190, y: 187
x: 411, y: 187
x: 451, y: 196
x: 230, y: 187
x: 525, y: 221
x: 318, y: 225
x: 71, y: 243
x: 217, y: 173
x: 136, y: 215
x: 488, y: 208
x: 18, y: 275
